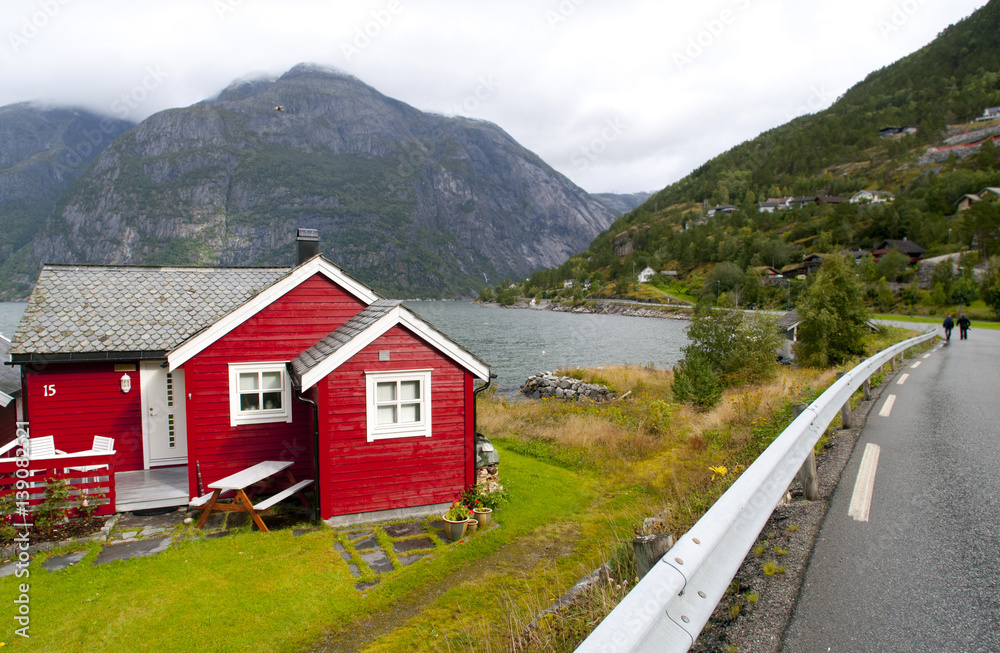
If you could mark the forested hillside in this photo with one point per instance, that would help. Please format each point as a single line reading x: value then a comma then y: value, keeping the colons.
x: 940, y: 89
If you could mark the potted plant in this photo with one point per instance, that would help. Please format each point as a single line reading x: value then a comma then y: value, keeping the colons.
x: 482, y: 514
x: 456, y: 520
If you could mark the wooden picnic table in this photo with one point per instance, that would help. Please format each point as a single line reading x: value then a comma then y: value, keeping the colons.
x: 248, y: 478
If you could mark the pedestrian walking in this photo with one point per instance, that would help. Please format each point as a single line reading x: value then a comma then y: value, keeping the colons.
x: 948, y: 325
x: 963, y: 326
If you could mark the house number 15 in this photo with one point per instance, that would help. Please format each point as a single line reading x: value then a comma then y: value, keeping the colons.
x: 50, y: 390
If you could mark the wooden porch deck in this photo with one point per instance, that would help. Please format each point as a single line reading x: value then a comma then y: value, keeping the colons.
x: 151, y: 488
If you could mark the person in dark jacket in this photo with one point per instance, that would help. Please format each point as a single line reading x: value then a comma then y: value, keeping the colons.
x: 948, y: 325
x: 963, y: 326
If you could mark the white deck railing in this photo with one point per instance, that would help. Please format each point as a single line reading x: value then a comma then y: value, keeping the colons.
x: 31, y: 474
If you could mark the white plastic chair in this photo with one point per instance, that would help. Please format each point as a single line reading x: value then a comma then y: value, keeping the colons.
x: 101, y: 445
x: 43, y: 447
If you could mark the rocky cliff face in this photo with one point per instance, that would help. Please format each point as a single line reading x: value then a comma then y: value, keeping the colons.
x: 42, y: 151
x: 414, y: 204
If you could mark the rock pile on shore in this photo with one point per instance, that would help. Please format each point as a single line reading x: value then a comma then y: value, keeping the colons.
x: 547, y: 384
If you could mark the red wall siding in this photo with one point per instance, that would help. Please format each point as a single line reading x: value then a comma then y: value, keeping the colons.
x: 280, y: 332
x: 360, y: 476
x: 88, y: 401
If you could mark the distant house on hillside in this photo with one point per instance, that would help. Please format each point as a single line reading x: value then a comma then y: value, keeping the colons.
x: 568, y: 283
x: 813, y: 262
x: 722, y: 208
x: 767, y: 272
x: 990, y: 113
x: 895, y: 132
x: 908, y: 247
x: 858, y: 253
x: 772, y: 204
x: 872, y: 197
x: 965, y: 202
x: 788, y: 327
x: 646, y: 274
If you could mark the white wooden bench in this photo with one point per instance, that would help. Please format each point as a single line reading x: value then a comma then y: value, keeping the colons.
x: 280, y: 496
x: 242, y: 480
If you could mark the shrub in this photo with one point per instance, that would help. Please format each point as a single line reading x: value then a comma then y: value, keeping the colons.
x: 695, y: 381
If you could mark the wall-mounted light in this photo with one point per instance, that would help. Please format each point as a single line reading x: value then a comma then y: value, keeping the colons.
x: 126, y: 383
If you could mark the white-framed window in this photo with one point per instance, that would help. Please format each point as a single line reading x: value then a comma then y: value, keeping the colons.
x: 259, y: 393
x: 399, y: 404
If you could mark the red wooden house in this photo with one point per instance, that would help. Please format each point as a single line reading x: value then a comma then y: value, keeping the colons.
x: 198, y: 373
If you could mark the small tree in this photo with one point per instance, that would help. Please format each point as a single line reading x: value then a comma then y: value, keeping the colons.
x: 989, y: 287
x: 833, y: 315
x: 739, y: 347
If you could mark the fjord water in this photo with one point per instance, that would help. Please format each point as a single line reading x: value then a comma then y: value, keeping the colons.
x: 517, y: 343
x: 10, y: 315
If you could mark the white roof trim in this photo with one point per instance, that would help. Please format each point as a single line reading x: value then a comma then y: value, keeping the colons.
x: 5, y: 399
x: 398, y: 315
x: 317, y: 264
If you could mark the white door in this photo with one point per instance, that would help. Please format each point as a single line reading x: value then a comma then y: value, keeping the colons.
x: 164, y: 421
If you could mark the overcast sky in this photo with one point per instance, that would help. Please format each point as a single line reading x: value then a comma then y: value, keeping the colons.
x: 619, y: 96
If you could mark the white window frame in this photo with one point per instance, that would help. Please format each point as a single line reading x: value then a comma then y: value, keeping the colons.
x: 238, y: 417
x: 421, y: 428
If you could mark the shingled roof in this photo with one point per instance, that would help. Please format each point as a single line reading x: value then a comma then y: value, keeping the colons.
x: 93, y: 312
x: 348, y: 339
x: 10, y: 377
x: 329, y: 345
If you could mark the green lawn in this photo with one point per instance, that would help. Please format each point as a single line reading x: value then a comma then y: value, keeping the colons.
x: 253, y: 591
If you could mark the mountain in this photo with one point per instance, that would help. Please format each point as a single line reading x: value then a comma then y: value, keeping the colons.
x: 42, y: 151
x: 620, y: 203
x: 939, y: 90
x: 414, y: 204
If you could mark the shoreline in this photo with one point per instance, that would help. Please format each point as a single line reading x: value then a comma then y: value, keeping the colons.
x: 604, y: 307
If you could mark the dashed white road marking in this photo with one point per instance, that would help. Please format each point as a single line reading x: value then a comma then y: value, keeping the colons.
x: 864, y: 486
x: 915, y: 365
x: 902, y: 379
x: 925, y: 356
x: 887, y: 406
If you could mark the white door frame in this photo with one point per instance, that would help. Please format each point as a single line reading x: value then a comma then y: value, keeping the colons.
x: 147, y: 372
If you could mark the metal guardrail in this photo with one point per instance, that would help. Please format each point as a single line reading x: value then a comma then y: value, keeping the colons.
x: 668, y: 608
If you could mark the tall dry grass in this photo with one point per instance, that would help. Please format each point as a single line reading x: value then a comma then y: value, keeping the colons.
x: 647, y: 440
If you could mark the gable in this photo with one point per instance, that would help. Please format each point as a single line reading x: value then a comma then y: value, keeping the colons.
x: 340, y: 346
x: 315, y: 266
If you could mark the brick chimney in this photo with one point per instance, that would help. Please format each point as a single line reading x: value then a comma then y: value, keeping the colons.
x: 306, y: 245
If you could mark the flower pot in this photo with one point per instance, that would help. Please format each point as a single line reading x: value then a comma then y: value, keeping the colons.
x: 473, y: 525
x: 455, y: 529
x: 484, y: 517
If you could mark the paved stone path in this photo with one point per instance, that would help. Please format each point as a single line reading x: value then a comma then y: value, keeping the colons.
x: 369, y: 550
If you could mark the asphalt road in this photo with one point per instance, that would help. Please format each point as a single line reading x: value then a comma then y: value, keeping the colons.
x: 923, y: 573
